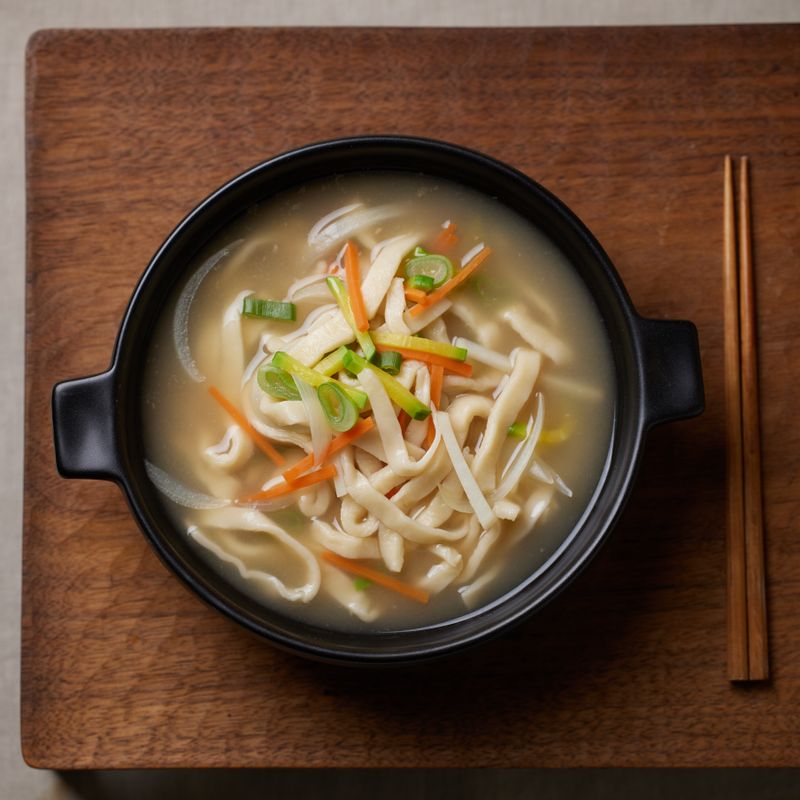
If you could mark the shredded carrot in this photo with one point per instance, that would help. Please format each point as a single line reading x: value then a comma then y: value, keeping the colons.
x: 261, y: 441
x: 403, y: 419
x: 416, y: 296
x: 392, y: 492
x: 437, y: 377
x: 337, y: 443
x: 450, y: 364
x: 387, y: 581
x: 446, y: 237
x: 456, y: 280
x: 352, y: 275
x: 317, y: 476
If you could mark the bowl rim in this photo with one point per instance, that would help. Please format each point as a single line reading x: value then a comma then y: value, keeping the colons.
x: 470, y: 635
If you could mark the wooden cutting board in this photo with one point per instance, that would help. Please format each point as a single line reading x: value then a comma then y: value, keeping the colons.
x: 128, y: 130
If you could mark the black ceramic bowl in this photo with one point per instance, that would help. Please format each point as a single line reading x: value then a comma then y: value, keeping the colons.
x: 97, y: 419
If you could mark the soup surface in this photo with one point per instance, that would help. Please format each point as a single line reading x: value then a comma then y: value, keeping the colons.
x: 437, y: 477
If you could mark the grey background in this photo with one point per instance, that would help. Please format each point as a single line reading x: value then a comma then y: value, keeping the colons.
x: 17, y: 21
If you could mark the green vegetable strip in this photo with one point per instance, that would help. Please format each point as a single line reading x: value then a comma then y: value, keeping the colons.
x: 396, y: 391
x: 361, y: 583
x: 404, y: 342
x: 519, y: 430
x: 389, y: 361
x: 332, y: 363
x: 269, y: 309
x: 422, y: 282
x: 336, y: 285
x: 339, y: 409
x: 312, y: 377
x: 277, y: 382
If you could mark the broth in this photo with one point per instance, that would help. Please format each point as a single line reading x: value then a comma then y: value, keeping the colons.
x: 525, y: 284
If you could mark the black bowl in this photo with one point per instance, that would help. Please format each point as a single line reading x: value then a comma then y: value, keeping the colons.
x: 658, y: 378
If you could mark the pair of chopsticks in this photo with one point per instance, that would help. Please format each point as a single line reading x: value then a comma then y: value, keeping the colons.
x: 747, y: 610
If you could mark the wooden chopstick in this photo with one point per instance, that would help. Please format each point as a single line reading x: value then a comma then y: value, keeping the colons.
x: 746, y: 600
x: 758, y: 658
x: 736, y: 558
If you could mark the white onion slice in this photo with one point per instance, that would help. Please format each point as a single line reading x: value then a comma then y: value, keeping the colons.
x: 180, y: 494
x: 470, y: 254
x: 180, y: 322
x: 475, y: 496
x: 328, y: 219
x: 477, y: 352
x: 321, y: 433
x: 517, y: 467
x: 546, y: 473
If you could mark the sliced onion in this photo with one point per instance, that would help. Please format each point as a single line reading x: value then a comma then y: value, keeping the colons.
x: 180, y: 494
x: 477, y: 352
x: 321, y: 433
x: 470, y: 254
x: 475, y: 496
x: 346, y: 221
x: 520, y: 462
x: 328, y: 219
x: 546, y: 473
x: 180, y: 322
x: 300, y: 288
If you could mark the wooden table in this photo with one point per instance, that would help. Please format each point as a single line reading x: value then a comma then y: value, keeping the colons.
x: 127, y: 130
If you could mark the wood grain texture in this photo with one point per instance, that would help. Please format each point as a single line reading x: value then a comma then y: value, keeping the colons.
x: 127, y: 130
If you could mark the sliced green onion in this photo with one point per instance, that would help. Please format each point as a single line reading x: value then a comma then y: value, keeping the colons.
x: 389, y: 361
x: 336, y: 285
x: 269, y: 309
x: 403, y: 342
x: 277, y: 382
x: 519, y: 430
x: 340, y: 410
x: 313, y: 378
x: 397, y: 392
x: 332, y: 363
x: 438, y: 268
x: 361, y: 583
x: 422, y: 282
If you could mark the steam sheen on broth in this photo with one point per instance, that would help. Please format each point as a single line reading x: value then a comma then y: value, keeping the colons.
x: 460, y: 505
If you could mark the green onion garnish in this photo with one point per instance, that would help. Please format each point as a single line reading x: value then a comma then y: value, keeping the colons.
x: 361, y: 583
x: 269, y: 309
x: 313, y: 378
x: 397, y: 392
x: 340, y: 411
x: 519, y: 430
x: 332, y: 363
x: 336, y: 285
x: 389, y: 361
x: 277, y: 382
x: 422, y: 282
x: 437, y: 267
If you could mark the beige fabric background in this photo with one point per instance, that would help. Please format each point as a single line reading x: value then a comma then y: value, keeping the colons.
x: 18, y: 19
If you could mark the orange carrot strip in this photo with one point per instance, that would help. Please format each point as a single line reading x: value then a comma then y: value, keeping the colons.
x: 450, y: 364
x: 416, y: 296
x: 337, y: 443
x: 392, y: 492
x: 446, y: 237
x: 261, y: 441
x: 437, y: 377
x: 387, y: 581
x: 352, y: 275
x: 456, y: 280
x: 403, y: 419
x: 317, y: 476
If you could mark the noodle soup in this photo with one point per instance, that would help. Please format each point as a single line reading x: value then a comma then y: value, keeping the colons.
x: 378, y: 402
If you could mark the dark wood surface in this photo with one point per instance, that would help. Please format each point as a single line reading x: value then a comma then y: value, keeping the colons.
x: 126, y: 131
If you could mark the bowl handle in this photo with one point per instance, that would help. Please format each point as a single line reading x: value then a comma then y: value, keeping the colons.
x: 84, y: 428
x: 673, y: 378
